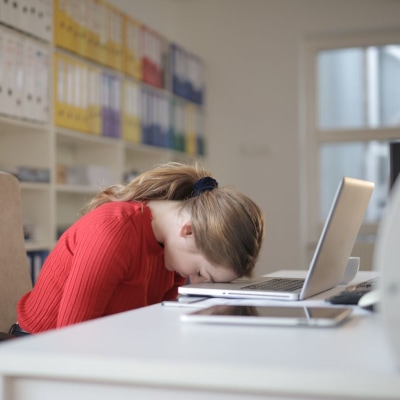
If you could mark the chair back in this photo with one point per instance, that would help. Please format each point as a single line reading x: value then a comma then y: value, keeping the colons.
x: 15, y: 279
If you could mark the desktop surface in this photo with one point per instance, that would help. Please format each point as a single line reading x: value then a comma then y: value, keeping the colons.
x: 149, y: 351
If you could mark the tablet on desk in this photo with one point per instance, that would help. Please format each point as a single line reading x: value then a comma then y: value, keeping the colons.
x: 270, y: 315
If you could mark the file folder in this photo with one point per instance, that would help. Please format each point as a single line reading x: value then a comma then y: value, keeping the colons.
x: 190, y: 129
x: 201, y: 144
x: 12, y: 46
x: 60, y: 90
x: 42, y: 83
x: 94, y: 107
x: 2, y: 69
x: 132, y: 47
x: 29, y: 57
x: 178, y: 125
x: 131, y: 130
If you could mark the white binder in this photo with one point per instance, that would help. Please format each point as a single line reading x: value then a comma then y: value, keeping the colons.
x: 41, y: 92
x: 28, y: 106
x: 19, y: 76
x: 2, y: 68
x: 25, y: 19
x: 9, y: 72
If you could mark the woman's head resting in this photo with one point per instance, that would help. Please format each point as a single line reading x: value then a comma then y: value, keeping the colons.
x: 226, y: 226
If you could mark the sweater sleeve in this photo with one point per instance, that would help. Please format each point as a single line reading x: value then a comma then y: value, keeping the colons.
x: 100, y: 262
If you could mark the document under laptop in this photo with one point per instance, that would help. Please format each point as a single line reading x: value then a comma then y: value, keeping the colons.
x: 328, y: 263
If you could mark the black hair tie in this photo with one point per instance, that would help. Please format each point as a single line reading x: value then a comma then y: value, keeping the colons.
x: 203, y: 185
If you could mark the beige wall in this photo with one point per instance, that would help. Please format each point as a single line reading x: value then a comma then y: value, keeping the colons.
x: 252, y: 53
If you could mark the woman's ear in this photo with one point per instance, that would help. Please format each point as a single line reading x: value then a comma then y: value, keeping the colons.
x: 186, y: 230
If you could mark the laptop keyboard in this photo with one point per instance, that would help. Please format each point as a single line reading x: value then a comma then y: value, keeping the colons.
x: 277, y: 285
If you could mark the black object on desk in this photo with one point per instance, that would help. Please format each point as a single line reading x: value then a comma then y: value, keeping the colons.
x: 353, y: 293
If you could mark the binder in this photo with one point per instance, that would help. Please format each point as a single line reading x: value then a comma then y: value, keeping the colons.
x: 83, y: 97
x: 146, y: 115
x: 114, y: 38
x: 36, y: 260
x: 94, y: 113
x: 105, y: 89
x: 77, y: 84
x: 115, y: 106
x: 195, y: 76
x: 2, y: 68
x: 10, y: 10
x: 111, y: 106
x: 177, y: 70
x: 178, y: 125
x: 61, y: 23
x: 19, y: 76
x: 47, y: 26
x: 65, y: 34
x: 153, y: 57
x: 190, y: 129
x: 132, y: 47
x: 90, y: 29
x: 29, y: 82
x: 187, y: 74
x: 81, y: 28
x: 25, y: 20
x: 130, y: 115
x: 126, y: 111
x: 42, y: 84
x: 69, y: 89
x: 74, y: 12
x: 200, y: 142
x: 97, y: 27
x: 60, y: 90
x: 156, y: 138
x: 10, y: 76
x: 191, y: 78
x: 101, y: 24
x: 160, y: 57
x: 42, y: 20
x: 165, y: 121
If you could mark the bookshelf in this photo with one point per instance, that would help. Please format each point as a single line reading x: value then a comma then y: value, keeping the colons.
x: 89, y: 97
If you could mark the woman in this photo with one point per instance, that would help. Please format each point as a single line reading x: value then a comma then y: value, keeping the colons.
x: 137, y: 243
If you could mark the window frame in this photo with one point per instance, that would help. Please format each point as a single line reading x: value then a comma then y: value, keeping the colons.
x: 311, y: 137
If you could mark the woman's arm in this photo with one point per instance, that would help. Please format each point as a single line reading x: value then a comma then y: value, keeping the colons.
x: 101, y: 259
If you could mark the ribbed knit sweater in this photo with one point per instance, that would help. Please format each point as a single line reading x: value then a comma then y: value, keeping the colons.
x: 107, y: 262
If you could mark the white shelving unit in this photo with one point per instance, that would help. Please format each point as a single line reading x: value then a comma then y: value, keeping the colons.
x: 119, y: 156
x: 29, y: 144
x: 49, y: 207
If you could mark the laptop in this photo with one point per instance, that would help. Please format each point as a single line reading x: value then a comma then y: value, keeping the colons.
x: 329, y: 260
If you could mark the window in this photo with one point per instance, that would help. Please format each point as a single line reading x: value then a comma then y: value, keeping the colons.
x: 353, y: 112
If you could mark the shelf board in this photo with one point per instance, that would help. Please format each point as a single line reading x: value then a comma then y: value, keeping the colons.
x: 146, y: 148
x: 78, y: 189
x: 72, y: 136
x: 12, y: 125
x: 36, y: 246
x: 34, y: 186
x: 155, y: 150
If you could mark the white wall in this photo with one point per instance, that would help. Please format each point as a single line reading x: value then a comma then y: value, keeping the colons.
x: 252, y: 53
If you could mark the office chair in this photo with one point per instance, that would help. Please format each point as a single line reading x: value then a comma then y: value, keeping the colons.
x: 15, y: 277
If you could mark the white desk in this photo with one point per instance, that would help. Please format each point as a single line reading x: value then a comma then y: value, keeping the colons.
x: 150, y: 354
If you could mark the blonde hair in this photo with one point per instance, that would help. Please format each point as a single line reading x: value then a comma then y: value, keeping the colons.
x: 228, y: 226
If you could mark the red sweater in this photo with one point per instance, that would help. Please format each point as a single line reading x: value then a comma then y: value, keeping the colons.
x: 107, y: 262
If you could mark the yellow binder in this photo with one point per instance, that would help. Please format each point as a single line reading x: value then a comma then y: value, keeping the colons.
x: 131, y: 129
x: 132, y: 47
x: 190, y: 129
x: 94, y: 106
x: 60, y: 90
